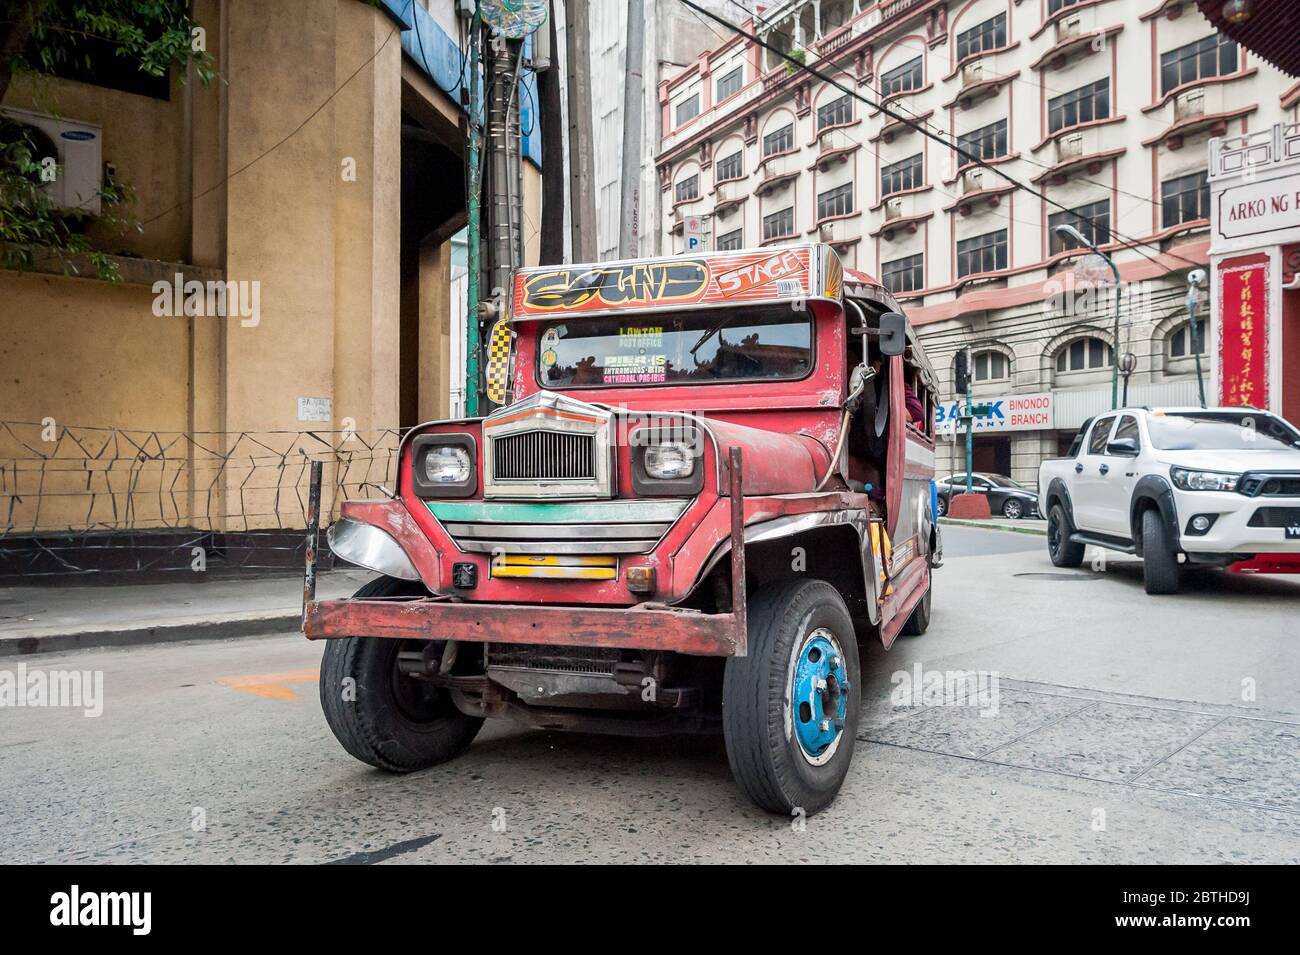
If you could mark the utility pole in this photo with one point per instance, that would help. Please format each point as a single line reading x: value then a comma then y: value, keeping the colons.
x: 548, y: 96
x: 582, y: 188
x: 633, y: 98
x: 473, y: 269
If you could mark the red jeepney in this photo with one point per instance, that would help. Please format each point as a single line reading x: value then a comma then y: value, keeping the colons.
x: 713, y: 477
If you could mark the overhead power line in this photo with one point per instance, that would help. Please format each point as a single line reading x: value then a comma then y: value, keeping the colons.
x: 965, y: 154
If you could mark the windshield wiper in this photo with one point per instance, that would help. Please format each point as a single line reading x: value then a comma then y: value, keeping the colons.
x: 713, y: 330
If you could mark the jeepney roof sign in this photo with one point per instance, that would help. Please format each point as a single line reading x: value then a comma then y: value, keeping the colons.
x: 709, y: 280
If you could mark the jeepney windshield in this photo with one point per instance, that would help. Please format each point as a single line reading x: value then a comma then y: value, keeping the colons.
x: 772, y: 342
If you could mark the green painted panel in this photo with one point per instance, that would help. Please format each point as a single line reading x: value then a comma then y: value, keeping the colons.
x: 591, y: 512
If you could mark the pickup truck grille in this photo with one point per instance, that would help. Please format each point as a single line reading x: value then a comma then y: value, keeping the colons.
x: 1275, y: 517
x: 1259, y: 484
x: 544, y: 456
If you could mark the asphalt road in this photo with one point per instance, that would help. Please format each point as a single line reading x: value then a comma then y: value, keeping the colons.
x: 1127, y: 729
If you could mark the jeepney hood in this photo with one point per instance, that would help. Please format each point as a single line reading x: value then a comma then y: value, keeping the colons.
x: 773, y: 462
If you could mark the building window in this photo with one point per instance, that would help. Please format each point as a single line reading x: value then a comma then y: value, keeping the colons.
x: 1185, y: 199
x: 1054, y: 5
x: 904, y: 275
x: 688, y: 109
x: 730, y: 83
x: 779, y: 141
x: 778, y: 225
x: 729, y: 167
x: 982, y: 253
x: 901, y: 78
x: 835, y: 202
x: 989, y: 35
x: 688, y: 188
x: 1215, y: 55
x: 1182, y: 343
x: 1093, y: 220
x: 730, y: 241
x: 835, y: 113
x: 897, y: 176
x: 990, y: 365
x: 1079, y: 106
x: 987, y: 142
x: 1083, y: 354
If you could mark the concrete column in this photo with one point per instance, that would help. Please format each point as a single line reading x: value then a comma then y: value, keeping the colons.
x: 434, y: 291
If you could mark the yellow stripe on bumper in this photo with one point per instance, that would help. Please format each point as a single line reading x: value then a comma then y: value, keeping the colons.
x: 555, y: 566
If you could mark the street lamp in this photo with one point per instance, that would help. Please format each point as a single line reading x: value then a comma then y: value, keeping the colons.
x: 1127, y: 365
x: 1070, y: 232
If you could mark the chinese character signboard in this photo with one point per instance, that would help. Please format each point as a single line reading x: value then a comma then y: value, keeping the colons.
x: 1243, y: 334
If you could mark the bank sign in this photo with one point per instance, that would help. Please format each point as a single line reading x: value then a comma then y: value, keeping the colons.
x: 998, y: 414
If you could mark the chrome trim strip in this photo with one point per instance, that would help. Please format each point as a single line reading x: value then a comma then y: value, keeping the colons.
x: 557, y: 531
x: 583, y: 547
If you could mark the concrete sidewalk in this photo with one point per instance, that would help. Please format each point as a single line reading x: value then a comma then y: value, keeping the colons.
x: 72, y: 617
x: 1023, y: 526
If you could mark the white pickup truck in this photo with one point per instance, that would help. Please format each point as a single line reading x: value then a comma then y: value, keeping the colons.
x: 1177, y: 486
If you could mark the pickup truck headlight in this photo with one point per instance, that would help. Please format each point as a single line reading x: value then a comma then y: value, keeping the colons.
x: 1187, y: 479
x: 444, y: 465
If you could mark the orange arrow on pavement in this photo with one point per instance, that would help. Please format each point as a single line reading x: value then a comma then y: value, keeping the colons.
x: 273, y: 686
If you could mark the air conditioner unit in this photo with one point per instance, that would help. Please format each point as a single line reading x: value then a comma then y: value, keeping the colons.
x: 893, y: 209
x: 972, y: 181
x: 76, y: 149
x: 972, y: 73
x: 1070, y: 147
x: 1189, y: 104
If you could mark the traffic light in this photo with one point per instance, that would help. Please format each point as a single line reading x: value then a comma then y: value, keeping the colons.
x: 963, y: 373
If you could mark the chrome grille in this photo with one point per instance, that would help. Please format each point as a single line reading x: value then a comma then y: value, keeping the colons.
x: 1263, y: 484
x: 544, y: 456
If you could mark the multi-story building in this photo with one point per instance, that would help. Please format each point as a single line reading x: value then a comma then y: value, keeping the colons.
x: 1090, y: 113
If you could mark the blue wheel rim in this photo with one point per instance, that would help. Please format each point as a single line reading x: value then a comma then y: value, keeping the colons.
x: 819, y: 687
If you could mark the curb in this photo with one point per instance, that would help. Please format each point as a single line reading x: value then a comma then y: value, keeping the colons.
x: 1035, y: 531
x: 236, y: 625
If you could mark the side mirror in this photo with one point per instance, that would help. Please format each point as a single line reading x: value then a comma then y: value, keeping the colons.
x: 893, y: 334
x: 1126, y: 446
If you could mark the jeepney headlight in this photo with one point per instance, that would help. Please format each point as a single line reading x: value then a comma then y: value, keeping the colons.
x: 670, y: 461
x: 1187, y: 479
x: 446, y: 464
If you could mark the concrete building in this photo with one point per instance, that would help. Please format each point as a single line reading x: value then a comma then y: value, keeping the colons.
x: 318, y: 182
x: 1103, y: 106
x: 674, y: 35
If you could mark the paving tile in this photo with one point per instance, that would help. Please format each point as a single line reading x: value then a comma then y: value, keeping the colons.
x: 1107, y: 741
x: 967, y: 731
x: 1251, y: 760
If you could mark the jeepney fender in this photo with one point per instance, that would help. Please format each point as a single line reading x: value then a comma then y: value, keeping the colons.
x: 788, y: 526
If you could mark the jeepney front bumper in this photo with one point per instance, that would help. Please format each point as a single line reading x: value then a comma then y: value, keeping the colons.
x: 439, y: 618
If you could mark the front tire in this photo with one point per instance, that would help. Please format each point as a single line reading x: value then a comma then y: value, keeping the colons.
x: 1063, y: 551
x: 381, y: 716
x: 1160, y: 570
x: 943, y: 505
x: 1013, y: 510
x: 790, y: 708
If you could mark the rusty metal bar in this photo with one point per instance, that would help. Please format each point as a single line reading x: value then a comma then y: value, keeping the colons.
x: 313, y: 539
x: 739, y: 597
x: 432, y: 618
